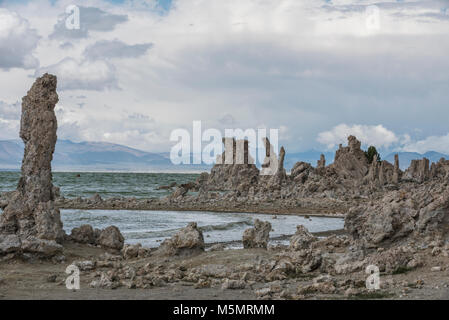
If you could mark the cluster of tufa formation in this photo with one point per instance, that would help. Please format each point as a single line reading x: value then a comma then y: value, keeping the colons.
x: 31, y: 222
x: 234, y: 167
x: 350, y: 176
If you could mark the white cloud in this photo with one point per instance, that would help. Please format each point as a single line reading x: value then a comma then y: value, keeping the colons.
x: 9, y: 129
x: 301, y: 66
x: 91, y: 19
x: 84, y: 75
x: 431, y: 143
x: 105, y: 49
x: 10, y: 111
x: 378, y: 136
x: 17, y: 41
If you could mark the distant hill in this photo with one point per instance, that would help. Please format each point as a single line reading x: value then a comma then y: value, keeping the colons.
x: 102, y: 156
x: 94, y: 156
x: 406, y: 157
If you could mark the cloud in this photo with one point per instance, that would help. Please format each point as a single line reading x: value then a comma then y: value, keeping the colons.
x: 431, y: 143
x: 9, y: 129
x: 105, y: 49
x: 300, y: 66
x: 10, y: 111
x: 17, y: 42
x: 377, y: 136
x: 9, y: 120
x: 227, y: 120
x: 91, y: 19
x: 84, y: 75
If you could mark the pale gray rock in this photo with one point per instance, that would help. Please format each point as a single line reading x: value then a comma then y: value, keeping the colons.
x: 372, y: 225
x: 302, y: 238
x: 396, y: 170
x: 131, y: 251
x: 10, y: 243
x: 280, y: 175
x: 46, y: 248
x: 233, y: 284
x: 440, y: 170
x: 187, y: 241
x: 350, y: 162
x: 270, y: 163
x: 111, y: 238
x: 301, y: 172
x: 418, y: 171
x: 391, y: 260
x: 321, y: 164
x: 84, y: 234
x: 258, y: 236
x: 234, y: 167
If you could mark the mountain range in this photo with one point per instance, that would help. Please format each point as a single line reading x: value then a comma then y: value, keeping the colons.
x: 103, y: 156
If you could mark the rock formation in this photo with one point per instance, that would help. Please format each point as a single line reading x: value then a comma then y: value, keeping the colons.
x: 440, y: 170
x: 302, y: 238
x: 373, y: 171
x: 350, y: 162
x: 229, y: 173
x: 185, y: 242
x: 321, y: 164
x: 396, y: 170
x: 109, y: 238
x: 280, y: 175
x: 85, y: 234
x: 258, y: 236
x: 400, y: 214
x: 381, y: 173
x: 270, y: 163
x: 301, y: 171
x: 30, y: 221
x: 418, y: 171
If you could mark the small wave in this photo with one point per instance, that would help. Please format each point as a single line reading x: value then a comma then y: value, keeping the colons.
x: 171, y: 232
x: 226, y: 226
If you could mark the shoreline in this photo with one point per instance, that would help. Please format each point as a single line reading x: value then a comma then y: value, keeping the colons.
x: 325, y: 207
x: 278, y: 238
x: 293, y: 212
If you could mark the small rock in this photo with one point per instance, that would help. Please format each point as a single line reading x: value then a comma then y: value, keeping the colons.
x: 258, y: 236
x: 85, y: 265
x: 233, y: 284
x: 111, y: 238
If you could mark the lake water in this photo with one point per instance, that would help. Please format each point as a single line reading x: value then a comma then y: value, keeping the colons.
x: 108, y: 184
x: 151, y: 227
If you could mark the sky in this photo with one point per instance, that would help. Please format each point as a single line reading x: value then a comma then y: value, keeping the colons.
x: 317, y: 70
